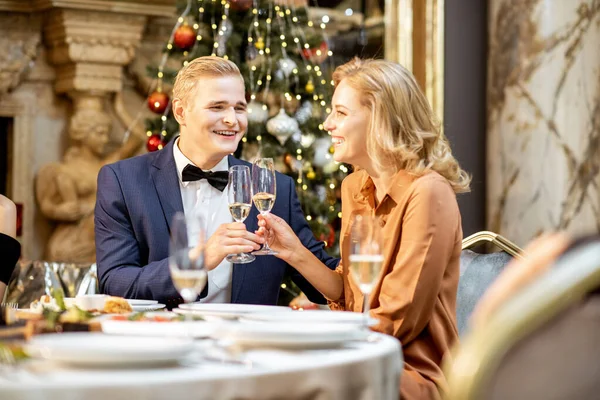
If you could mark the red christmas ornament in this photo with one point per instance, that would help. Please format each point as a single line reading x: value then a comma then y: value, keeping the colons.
x: 158, y: 102
x: 240, y: 5
x: 185, y: 37
x: 316, y: 54
x: 154, y: 143
x: 328, y: 239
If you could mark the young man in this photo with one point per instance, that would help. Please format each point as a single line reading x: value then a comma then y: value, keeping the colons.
x: 138, y: 197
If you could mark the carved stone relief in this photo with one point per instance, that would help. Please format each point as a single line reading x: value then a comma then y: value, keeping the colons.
x: 19, y: 39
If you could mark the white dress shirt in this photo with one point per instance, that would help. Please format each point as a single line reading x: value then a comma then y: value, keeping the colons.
x: 200, y: 198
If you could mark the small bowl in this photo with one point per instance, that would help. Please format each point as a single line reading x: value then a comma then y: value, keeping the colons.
x: 91, y: 302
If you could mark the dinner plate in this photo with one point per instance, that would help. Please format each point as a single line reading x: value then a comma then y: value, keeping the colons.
x: 313, y: 317
x: 290, y: 335
x: 195, y: 329
x: 71, y: 301
x: 100, y: 350
x: 140, y: 302
x: 228, y: 311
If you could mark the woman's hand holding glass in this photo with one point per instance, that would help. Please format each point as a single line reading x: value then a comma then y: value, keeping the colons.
x: 279, y: 235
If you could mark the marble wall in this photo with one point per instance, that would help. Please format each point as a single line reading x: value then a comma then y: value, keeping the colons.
x: 543, y: 117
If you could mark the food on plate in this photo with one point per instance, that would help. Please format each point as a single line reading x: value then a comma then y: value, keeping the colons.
x: 116, y: 305
x: 75, y: 315
x: 45, y: 302
x: 154, y: 317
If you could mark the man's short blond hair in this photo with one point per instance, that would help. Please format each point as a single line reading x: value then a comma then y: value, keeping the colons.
x: 209, y: 66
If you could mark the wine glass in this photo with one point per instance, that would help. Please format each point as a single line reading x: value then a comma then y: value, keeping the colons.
x: 263, y: 192
x: 366, y: 256
x: 186, y: 263
x: 239, y: 193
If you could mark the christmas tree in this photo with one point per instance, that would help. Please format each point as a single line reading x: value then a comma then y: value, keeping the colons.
x: 286, y: 64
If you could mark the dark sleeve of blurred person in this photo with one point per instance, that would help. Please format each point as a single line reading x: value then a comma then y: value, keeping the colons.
x: 10, y: 248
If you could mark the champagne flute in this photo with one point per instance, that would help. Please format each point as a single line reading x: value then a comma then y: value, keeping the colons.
x: 239, y: 193
x: 263, y: 192
x: 366, y: 256
x: 186, y: 263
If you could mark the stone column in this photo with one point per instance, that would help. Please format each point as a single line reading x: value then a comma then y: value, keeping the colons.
x: 543, y: 102
x: 414, y: 37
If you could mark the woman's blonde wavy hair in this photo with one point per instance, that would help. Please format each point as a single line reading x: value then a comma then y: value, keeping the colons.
x: 403, y: 132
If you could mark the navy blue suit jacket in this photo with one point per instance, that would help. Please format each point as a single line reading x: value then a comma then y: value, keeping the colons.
x: 135, y: 204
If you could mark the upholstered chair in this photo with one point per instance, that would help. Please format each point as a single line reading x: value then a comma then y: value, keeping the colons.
x: 478, y: 271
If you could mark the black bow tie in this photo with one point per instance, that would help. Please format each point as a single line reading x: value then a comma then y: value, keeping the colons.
x: 217, y: 179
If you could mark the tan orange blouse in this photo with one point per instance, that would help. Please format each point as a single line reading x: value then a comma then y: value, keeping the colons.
x: 415, y: 297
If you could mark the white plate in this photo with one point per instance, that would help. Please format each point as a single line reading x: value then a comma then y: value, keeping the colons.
x: 184, y: 329
x: 140, y: 302
x: 100, y: 350
x: 227, y: 311
x: 290, y: 335
x: 313, y: 317
x: 147, y: 307
x: 71, y: 301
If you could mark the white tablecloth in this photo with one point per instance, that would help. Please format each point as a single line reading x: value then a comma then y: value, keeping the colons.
x: 359, y: 370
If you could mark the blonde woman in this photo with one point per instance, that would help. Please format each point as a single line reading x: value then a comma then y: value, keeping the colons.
x: 408, y: 178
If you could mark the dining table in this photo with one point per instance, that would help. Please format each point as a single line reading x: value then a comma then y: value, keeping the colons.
x: 366, y: 368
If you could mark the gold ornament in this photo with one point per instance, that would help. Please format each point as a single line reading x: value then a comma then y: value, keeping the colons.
x: 311, y: 174
x: 310, y: 87
x: 260, y: 43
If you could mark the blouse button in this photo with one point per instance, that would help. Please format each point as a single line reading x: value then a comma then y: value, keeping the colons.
x: 382, y: 222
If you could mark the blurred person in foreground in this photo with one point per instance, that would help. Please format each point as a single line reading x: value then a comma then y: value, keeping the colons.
x: 539, y: 256
x: 408, y: 178
x: 10, y: 248
x: 561, y: 346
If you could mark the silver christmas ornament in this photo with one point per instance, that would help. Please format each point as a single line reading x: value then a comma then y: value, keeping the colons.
x: 223, y: 35
x: 322, y: 156
x: 225, y: 28
x: 304, y: 112
x: 285, y: 66
x: 222, y: 48
x: 321, y: 192
x: 257, y: 112
x: 282, y: 126
x: 297, y: 136
x: 307, y: 140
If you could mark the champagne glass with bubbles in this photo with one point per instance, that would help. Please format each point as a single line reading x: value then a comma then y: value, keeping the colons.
x: 186, y: 263
x: 239, y: 192
x: 366, y: 256
x: 263, y: 192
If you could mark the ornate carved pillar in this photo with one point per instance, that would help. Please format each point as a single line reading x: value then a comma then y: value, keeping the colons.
x: 543, y: 102
x: 89, y: 42
x: 89, y: 48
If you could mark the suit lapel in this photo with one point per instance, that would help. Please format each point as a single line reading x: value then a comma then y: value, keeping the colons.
x: 166, y: 182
